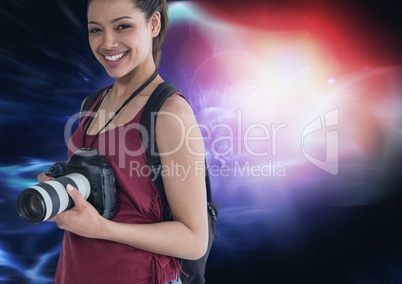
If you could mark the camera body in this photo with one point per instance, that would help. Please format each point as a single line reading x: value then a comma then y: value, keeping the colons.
x: 87, y: 171
x: 100, y: 175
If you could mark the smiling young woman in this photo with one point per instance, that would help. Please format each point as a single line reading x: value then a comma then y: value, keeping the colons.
x: 135, y: 246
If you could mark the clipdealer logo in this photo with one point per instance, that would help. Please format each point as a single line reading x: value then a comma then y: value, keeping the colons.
x: 256, y: 141
x: 331, y: 160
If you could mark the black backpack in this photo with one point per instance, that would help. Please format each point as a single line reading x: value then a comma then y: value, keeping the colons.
x: 194, y: 268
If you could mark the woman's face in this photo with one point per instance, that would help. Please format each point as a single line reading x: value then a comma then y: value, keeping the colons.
x: 120, y: 36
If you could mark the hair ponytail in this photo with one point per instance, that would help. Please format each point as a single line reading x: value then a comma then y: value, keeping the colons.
x: 149, y: 7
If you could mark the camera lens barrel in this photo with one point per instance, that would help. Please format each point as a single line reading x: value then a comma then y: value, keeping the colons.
x: 45, y: 200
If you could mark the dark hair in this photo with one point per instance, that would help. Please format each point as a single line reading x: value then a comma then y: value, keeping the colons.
x: 149, y: 7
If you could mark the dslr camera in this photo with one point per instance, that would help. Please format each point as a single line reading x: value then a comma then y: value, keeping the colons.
x: 87, y: 171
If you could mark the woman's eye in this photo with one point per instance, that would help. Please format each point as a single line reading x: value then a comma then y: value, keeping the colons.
x: 94, y: 31
x: 122, y: 27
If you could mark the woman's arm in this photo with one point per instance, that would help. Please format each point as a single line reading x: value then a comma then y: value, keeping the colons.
x: 181, y: 149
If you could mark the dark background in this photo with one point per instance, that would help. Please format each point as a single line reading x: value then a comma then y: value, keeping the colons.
x: 299, y: 235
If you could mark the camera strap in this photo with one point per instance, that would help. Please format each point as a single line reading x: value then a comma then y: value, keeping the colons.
x: 136, y: 92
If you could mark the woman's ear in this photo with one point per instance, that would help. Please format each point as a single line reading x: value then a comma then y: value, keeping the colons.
x: 155, y: 24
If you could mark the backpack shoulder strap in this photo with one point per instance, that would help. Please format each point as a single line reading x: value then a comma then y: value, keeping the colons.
x: 148, y: 122
x: 148, y: 119
x: 89, y: 101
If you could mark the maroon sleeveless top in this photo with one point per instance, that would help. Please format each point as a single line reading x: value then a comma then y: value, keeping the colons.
x: 85, y: 260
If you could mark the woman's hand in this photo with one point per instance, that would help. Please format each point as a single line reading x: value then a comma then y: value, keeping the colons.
x: 82, y: 219
x: 42, y: 177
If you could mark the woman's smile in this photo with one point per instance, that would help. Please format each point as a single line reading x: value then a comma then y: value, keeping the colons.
x: 116, y: 57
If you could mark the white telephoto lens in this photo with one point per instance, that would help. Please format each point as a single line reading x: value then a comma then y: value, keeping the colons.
x: 82, y: 183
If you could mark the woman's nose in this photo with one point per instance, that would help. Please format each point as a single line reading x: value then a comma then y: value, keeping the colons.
x: 109, y: 41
